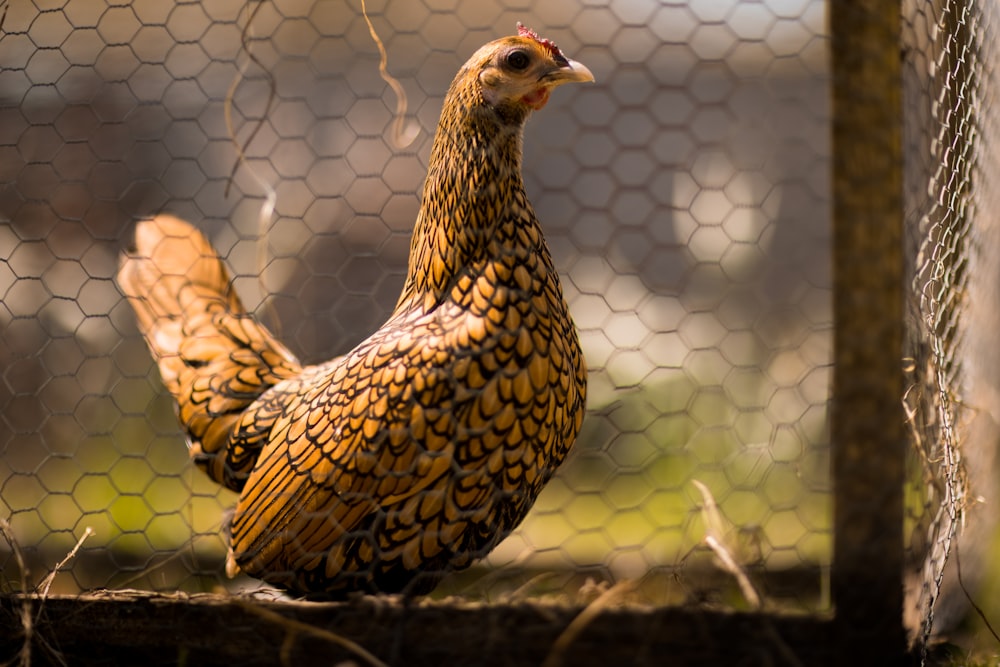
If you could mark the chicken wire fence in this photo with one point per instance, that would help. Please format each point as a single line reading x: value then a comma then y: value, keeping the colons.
x: 686, y: 198
x: 951, y: 235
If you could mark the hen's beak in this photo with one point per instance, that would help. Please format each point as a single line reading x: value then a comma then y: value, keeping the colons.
x: 564, y: 71
x: 568, y: 71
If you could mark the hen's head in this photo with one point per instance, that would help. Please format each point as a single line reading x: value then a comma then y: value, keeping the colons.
x: 522, y: 70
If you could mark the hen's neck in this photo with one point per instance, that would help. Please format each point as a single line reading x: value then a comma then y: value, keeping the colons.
x: 473, y: 187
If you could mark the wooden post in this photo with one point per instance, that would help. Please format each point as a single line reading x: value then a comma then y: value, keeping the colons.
x: 867, y: 419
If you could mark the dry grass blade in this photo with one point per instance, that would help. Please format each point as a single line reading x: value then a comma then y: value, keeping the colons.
x: 714, y: 530
x: 730, y: 565
x: 714, y: 523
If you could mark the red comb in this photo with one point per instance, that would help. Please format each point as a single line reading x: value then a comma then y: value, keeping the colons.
x: 549, y: 45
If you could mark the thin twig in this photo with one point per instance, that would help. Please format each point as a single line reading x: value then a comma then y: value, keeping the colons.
x: 270, y: 195
x: 293, y: 626
x: 968, y: 595
x: 8, y: 534
x: 47, y: 582
x: 231, y: 93
x: 46, y: 585
x: 27, y: 623
x: 399, y: 138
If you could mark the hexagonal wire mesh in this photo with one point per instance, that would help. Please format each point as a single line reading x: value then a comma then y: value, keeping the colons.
x: 685, y: 197
x: 951, y: 166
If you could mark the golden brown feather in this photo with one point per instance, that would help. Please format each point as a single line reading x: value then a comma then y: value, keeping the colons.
x: 416, y: 452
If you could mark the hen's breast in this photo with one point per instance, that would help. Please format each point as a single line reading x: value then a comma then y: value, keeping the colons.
x: 422, y: 447
x: 515, y: 354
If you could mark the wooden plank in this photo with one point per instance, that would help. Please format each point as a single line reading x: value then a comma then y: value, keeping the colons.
x: 867, y: 420
x: 149, y: 629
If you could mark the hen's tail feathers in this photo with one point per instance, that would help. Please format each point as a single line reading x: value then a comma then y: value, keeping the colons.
x: 213, y: 356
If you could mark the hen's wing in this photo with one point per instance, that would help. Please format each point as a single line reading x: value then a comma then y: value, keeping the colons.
x: 400, y: 456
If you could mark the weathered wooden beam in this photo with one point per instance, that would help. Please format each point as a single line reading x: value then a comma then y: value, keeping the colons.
x: 867, y: 419
x: 148, y: 629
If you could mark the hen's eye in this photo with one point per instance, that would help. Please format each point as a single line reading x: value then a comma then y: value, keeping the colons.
x: 518, y: 60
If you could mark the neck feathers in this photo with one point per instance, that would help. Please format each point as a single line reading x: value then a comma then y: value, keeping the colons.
x: 473, y: 187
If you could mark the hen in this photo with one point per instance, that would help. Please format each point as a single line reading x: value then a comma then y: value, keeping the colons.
x: 416, y: 452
